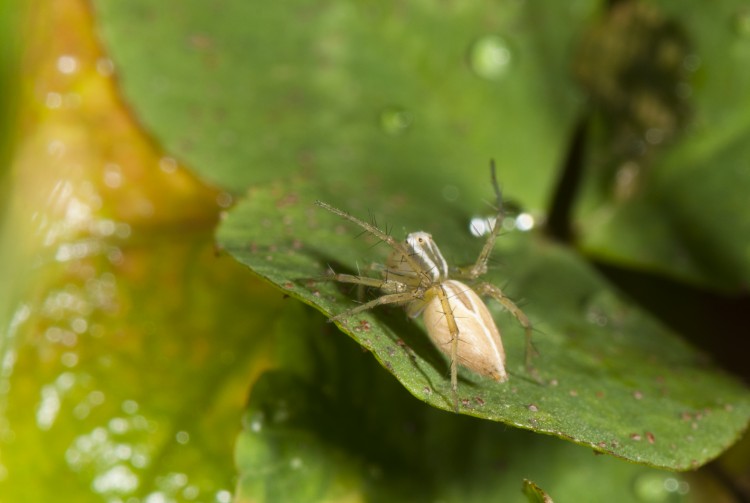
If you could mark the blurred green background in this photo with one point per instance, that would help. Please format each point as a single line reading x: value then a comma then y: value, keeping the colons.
x: 160, y: 161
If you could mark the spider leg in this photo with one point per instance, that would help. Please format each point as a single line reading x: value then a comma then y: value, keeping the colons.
x: 450, y: 319
x: 498, y: 295
x: 480, y: 266
x: 387, y: 285
x: 393, y: 298
x: 383, y: 236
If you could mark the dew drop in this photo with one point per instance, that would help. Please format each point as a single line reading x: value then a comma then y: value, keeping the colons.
x: 182, y: 437
x: 224, y: 199
x: 48, y: 408
x: 139, y: 460
x: 596, y: 316
x: 256, y: 423
x: 524, y: 222
x: 481, y: 226
x: 490, y: 57
x: 81, y: 411
x: 129, y: 406
x: 118, y: 425
x: 649, y: 487
x: 223, y: 496
x: 69, y: 360
x: 655, y: 136
x: 626, y: 179
x: 121, y: 230
x: 691, y: 62
x: 451, y: 193
x: 191, y: 492
x: 168, y: 164
x: 67, y: 64
x: 658, y: 487
x: 96, y: 397
x: 395, y: 120
x: 103, y: 228
x: 56, y: 149
x: 79, y: 325
x: 156, y: 497
x: 53, y: 100
x: 118, y: 479
x: 281, y: 412
x: 105, y: 67
x: 112, y: 175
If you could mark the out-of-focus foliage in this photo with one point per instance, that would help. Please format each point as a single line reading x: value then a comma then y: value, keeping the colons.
x: 667, y: 174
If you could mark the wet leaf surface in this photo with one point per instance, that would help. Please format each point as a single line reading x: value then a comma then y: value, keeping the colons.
x: 108, y: 362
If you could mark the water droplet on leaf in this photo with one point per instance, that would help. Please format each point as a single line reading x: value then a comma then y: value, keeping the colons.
x: 524, y: 222
x: 481, y: 226
x: 490, y: 57
x: 395, y: 120
x: 67, y: 64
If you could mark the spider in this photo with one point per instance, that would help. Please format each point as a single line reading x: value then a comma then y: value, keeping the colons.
x: 458, y: 322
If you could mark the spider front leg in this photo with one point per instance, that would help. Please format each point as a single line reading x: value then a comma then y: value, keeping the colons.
x: 480, y: 266
x: 387, y: 285
x: 383, y: 236
x: 394, y: 298
x: 497, y: 294
x: 395, y: 292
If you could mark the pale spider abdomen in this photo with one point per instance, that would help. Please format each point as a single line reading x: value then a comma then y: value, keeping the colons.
x: 479, y: 345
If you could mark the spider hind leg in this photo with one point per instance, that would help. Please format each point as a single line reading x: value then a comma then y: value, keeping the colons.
x: 497, y: 294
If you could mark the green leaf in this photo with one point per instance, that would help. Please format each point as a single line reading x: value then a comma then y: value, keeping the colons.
x: 330, y: 425
x: 614, y: 379
x: 679, y: 206
x: 245, y: 95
